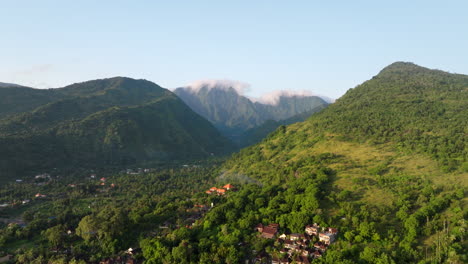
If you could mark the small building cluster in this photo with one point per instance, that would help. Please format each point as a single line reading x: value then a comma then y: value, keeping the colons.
x: 42, y: 176
x: 268, y: 231
x: 221, y: 191
x: 296, y: 247
x: 137, y: 171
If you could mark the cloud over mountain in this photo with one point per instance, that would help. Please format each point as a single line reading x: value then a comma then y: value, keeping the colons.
x: 240, y: 87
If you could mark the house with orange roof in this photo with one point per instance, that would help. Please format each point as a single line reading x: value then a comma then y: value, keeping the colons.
x: 229, y: 187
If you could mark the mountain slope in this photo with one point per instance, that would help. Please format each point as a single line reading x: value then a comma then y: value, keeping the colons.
x: 389, y: 158
x: 233, y: 114
x: 110, y: 122
x: 21, y: 99
x: 256, y: 134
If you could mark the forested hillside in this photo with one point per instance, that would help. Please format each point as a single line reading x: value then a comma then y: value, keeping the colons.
x: 110, y: 122
x: 394, y: 152
x: 257, y: 134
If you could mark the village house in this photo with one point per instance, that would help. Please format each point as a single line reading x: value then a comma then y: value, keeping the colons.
x: 296, y: 236
x: 301, y: 260
x: 269, y: 231
x: 42, y: 176
x: 320, y: 246
x: 278, y: 260
x: 290, y: 244
x: 296, y: 246
x: 229, y: 187
x: 259, y: 227
x: 221, y: 191
x: 328, y: 236
x: 316, y: 254
x: 312, y: 230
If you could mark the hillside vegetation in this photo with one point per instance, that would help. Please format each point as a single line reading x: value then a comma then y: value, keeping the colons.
x: 111, y: 122
x: 394, y: 150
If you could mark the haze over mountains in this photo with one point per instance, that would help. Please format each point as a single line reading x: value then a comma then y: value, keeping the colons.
x: 222, y: 103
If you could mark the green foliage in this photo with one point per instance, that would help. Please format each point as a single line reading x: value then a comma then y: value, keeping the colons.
x: 415, y: 108
x: 110, y: 122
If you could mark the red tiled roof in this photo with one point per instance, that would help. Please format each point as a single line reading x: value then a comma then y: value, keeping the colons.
x: 269, y: 230
x: 228, y: 186
x: 274, y: 225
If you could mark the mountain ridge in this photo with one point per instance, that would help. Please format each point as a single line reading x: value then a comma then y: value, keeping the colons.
x: 106, y: 122
x: 233, y: 114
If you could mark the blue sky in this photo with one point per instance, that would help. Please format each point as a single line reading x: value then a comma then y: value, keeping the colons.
x: 326, y: 48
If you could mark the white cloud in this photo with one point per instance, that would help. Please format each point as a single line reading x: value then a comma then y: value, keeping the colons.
x: 240, y: 87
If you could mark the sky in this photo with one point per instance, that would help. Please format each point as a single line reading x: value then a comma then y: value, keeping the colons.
x: 325, y: 47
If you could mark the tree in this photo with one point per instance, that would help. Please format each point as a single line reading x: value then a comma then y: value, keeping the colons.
x: 55, y: 235
x: 87, y: 228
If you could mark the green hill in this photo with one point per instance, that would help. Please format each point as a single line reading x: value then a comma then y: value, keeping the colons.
x: 386, y: 165
x: 111, y: 122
